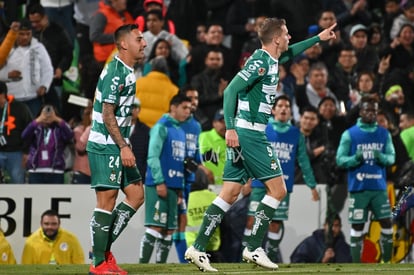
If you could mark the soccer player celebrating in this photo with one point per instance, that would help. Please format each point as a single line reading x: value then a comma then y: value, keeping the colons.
x: 111, y: 159
x: 249, y: 154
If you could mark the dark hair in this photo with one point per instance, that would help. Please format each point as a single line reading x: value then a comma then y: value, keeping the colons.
x: 367, y: 99
x: 215, y: 23
x: 310, y: 109
x: 214, y: 49
x: 326, y: 98
x: 50, y: 212
x: 37, y: 8
x: 156, y: 12
x: 123, y: 30
x: 403, y: 27
x: 347, y: 48
x: 336, y: 218
x: 319, y: 14
x: 48, y: 106
x: 281, y: 97
x: 391, y: 126
x: 25, y: 25
x: 186, y: 88
x: 178, y: 99
x: 154, y: 47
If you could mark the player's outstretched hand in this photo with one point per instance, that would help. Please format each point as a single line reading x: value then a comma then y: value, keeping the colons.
x: 328, y: 33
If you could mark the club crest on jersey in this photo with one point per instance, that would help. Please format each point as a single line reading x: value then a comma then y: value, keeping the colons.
x: 112, y: 177
x: 121, y: 87
x: 261, y: 71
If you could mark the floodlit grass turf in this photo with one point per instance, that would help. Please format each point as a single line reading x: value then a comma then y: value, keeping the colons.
x: 242, y: 268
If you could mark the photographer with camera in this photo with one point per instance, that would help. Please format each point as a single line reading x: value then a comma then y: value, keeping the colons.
x: 47, y: 136
x: 164, y: 182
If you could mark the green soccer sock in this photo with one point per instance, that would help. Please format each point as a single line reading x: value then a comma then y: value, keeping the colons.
x: 262, y: 219
x: 100, y: 222
x: 147, y: 245
x: 211, y: 220
x: 386, y: 245
x: 120, y: 218
x: 163, y: 249
x: 246, y: 236
x: 356, y: 246
x: 272, y: 245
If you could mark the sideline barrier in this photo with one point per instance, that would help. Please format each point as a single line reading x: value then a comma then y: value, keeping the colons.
x: 22, y: 204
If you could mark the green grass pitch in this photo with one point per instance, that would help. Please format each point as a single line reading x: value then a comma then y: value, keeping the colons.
x: 224, y: 268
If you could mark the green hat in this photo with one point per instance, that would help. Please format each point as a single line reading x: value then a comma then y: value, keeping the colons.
x: 393, y: 89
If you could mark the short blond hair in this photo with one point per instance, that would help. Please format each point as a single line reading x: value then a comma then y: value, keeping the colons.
x: 270, y: 28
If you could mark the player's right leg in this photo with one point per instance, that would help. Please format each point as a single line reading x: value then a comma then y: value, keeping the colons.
x: 262, y: 216
x: 104, y: 181
x: 100, y: 222
x: 212, y: 218
x: 357, y: 217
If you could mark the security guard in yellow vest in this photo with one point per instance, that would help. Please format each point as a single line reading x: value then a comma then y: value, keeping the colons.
x: 199, y: 200
x: 6, y: 252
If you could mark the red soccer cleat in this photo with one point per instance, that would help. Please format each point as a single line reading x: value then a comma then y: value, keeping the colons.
x: 110, y: 259
x: 103, y: 269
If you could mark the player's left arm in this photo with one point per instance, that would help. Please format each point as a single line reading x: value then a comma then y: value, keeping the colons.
x: 301, y: 46
x: 388, y: 157
x: 305, y: 166
x: 298, y: 48
x: 109, y: 119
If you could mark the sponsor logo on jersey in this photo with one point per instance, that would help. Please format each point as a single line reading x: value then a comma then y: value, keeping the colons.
x: 174, y: 173
x: 362, y: 176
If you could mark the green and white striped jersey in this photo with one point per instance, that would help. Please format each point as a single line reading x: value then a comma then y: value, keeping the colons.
x: 261, y: 72
x: 116, y: 85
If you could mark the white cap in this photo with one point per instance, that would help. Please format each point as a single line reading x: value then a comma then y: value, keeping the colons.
x: 137, y: 102
x: 357, y: 28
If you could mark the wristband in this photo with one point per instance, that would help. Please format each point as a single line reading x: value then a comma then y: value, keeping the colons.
x: 123, y: 145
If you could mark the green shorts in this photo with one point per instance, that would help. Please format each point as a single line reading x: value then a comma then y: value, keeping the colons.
x: 282, y: 211
x: 161, y: 212
x: 108, y: 172
x: 255, y: 158
x: 361, y: 202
